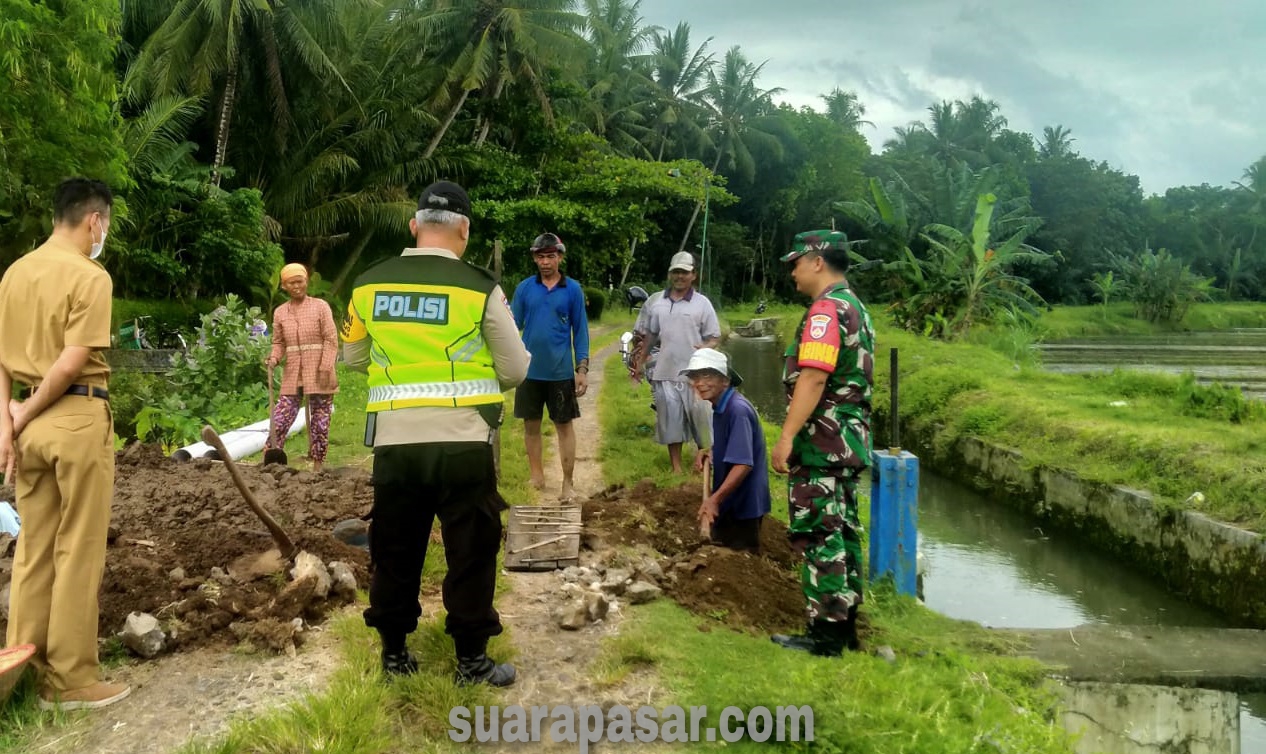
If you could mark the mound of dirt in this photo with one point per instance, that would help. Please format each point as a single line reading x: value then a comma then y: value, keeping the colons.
x: 745, y: 591
x: 173, y: 523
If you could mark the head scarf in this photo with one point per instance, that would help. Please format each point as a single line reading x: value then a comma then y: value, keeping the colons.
x: 293, y: 269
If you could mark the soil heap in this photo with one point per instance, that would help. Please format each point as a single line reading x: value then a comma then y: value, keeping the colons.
x: 749, y: 592
x: 173, y: 523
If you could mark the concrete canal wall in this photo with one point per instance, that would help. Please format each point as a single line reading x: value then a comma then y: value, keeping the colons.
x: 1204, y: 560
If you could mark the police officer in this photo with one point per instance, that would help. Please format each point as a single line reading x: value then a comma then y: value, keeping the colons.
x: 825, y: 442
x: 440, y: 345
x: 55, y: 306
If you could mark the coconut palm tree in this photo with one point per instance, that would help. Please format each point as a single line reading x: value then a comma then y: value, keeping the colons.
x: 735, y: 105
x: 846, y: 109
x: 1057, y: 142
x: 496, y: 43
x: 211, y: 48
x: 618, y: 91
x: 679, y: 73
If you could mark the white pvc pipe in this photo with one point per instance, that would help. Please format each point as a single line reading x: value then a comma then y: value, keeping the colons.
x: 241, y: 442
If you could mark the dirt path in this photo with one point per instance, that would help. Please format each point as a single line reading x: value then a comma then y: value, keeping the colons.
x: 194, y: 694
x: 556, y: 667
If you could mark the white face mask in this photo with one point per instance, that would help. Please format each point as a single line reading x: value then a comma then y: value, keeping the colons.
x: 97, y: 246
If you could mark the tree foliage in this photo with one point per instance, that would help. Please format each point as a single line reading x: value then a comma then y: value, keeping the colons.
x: 57, y: 115
x: 250, y: 132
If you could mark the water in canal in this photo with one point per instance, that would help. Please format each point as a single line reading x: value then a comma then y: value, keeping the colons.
x: 991, y: 564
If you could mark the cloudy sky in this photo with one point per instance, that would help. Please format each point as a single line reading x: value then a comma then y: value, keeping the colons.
x: 1173, y: 91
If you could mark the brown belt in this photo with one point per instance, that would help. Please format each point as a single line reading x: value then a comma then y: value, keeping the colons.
x: 92, y: 392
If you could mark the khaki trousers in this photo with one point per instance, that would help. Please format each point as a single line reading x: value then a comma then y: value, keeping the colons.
x: 65, y: 484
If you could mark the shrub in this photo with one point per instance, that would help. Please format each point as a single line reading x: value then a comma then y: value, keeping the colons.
x: 1218, y: 402
x: 219, y: 382
x: 595, y: 302
x: 130, y: 393
x: 166, y: 316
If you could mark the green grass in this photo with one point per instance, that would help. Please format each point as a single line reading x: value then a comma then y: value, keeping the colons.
x: 944, y: 693
x: 1118, y: 319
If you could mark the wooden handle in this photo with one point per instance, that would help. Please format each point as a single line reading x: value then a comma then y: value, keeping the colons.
x: 287, y: 547
x: 705, y: 529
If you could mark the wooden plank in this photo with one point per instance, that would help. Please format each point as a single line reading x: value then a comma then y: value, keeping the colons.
x: 543, y: 538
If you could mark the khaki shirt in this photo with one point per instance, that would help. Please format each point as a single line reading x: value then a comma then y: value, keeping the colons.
x: 49, y: 299
x: 431, y: 424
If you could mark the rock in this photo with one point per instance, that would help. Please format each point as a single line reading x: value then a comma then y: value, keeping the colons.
x: 353, y: 531
x: 177, y: 574
x: 7, y: 544
x: 219, y: 576
x: 4, y: 602
x: 592, y: 542
x: 307, y: 564
x: 596, y: 605
x: 112, y: 533
x: 642, y: 592
x: 616, y: 581
x: 344, y: 579
x: 573, y: 616
x: 887, y: 653
x: 649, y: 570
x: 570, y: 591
x: 579, y: 574
x: 142, y: 634
x: 257, y: 565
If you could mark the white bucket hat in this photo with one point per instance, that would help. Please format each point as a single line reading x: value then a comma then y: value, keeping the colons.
x: 710, y: 358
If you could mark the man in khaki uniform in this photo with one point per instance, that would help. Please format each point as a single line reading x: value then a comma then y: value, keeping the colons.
x: 57, y: 443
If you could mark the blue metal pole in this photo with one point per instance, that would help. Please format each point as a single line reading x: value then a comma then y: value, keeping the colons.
x: 894, y: 506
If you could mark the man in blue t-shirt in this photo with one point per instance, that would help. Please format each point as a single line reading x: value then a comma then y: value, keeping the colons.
x: 550, y: 310
x: 740, y: 474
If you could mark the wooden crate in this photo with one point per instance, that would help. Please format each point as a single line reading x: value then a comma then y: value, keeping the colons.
x: 543, y: 538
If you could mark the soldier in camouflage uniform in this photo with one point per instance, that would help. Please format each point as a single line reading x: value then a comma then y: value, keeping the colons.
x: 825, y: 443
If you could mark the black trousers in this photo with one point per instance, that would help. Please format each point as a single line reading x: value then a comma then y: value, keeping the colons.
x: 413, y: 485
x: 737, y: 534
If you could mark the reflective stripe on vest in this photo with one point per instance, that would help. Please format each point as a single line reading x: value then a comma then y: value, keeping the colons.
x: 433, y: 390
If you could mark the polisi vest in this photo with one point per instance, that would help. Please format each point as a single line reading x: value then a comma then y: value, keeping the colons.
x: 423, y: 314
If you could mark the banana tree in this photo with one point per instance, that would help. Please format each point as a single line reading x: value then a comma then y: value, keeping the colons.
x: 980, y: 273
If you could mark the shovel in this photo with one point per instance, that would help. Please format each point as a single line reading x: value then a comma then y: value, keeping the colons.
x: 285, y: 546
x: 273, y: 454
x: 705, y: 529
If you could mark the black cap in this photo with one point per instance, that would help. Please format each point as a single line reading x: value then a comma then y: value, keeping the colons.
x: 445, y: 195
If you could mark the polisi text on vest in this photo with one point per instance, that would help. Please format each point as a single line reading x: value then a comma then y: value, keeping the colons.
x: 391, y: 306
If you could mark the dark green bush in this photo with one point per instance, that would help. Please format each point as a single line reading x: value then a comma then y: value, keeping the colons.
x: 595, y: 302
x: 130, y: 393
x: 166, y: 315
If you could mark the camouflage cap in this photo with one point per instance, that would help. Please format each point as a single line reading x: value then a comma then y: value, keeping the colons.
x: 816, y: 240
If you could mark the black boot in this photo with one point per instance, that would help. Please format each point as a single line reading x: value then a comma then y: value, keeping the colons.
x: 399, y: 663
x: 822, y: 638
x: 396, y: 659
x: 481, y: 669
x: 801, y: 642
x: 829, y: 637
